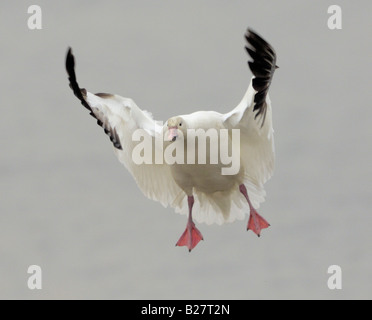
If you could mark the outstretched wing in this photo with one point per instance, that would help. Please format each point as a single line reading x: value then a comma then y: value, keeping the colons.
x: 253, y: 116
x: 120, y: 117
x: 81, y: 94
x: 262, y: 67
x: 253, y: 107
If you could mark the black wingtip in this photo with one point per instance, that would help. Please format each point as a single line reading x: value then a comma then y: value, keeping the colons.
x: 263, y: 67
x: 81, y: 94
x: 70, y: 62
x: 70, y: 68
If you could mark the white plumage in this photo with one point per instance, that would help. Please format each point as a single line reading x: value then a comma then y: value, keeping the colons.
x: 218, y: 198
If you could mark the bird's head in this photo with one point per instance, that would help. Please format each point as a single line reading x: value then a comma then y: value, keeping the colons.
x: 175, y: 125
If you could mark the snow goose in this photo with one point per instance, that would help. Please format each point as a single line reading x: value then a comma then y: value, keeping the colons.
x: 200, y: 189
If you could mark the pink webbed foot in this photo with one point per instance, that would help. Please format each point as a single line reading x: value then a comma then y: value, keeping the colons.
x: 190, y: 238
x: 256, y: 223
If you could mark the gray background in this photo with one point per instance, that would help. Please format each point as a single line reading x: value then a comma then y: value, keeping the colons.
x: 70, y: 207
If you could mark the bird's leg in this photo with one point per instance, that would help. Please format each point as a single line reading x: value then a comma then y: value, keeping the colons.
x: 255, y: 223
x: 192, y: 235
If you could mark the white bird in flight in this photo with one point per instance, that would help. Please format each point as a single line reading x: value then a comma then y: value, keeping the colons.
x: 200, y: 190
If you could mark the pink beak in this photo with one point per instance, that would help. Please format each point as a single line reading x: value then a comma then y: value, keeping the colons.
x: 173, y: 134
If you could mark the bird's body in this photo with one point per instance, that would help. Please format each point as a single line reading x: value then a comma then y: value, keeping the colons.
x: 211, y: 184
x: 200, y: 177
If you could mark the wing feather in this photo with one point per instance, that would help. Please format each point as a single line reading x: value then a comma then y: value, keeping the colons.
x: 253, y: 116
x: 263, y: 67
x: 120, y: 117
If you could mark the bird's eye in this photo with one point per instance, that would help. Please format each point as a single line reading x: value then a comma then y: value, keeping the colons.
x: 180, y: 124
